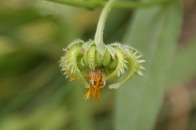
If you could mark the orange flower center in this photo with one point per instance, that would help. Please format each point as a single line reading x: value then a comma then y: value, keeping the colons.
x: 96, y: 84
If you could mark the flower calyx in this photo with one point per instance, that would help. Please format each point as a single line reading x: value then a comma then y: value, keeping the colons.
x: 94, y: 64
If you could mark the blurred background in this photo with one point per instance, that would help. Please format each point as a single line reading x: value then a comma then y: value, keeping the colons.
x: 34, y: 95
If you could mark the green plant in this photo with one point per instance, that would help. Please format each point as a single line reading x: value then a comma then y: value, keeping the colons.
x: 35, y: 95
x: 99, y: 62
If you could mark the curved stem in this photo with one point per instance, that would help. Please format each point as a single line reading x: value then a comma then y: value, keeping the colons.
x: 118, y: 5
x: 101, y: 23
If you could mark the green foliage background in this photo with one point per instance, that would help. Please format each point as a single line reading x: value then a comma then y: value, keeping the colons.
x: 34, y: 95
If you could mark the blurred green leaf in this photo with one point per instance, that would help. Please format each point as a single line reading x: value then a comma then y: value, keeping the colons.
x: 184, y: 64
x: 22, y: 57
x: 154, y: 31
x: 91, y: 4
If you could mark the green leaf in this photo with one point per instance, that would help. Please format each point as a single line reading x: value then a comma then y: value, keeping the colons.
x: 184, y: 64
x: 154, y: 32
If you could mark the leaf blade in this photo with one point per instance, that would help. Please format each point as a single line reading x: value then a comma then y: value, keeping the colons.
x: 154, y: 32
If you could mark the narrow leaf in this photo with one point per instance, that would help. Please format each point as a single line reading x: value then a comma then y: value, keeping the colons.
x: 154, y: 32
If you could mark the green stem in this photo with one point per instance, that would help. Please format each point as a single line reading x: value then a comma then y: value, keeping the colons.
x: 118, y: 5
x: 101, y: 23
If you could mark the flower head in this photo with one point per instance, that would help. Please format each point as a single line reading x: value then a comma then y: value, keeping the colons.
x: 94, y: 64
